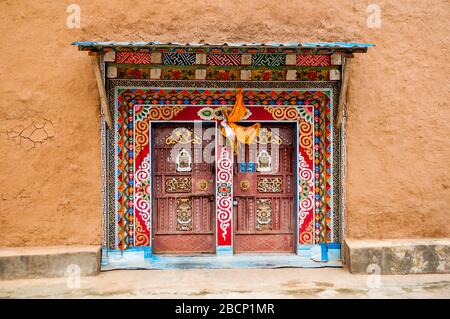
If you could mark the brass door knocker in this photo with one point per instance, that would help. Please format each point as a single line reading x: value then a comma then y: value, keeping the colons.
x: 203, y: 185
x: 245, y: 185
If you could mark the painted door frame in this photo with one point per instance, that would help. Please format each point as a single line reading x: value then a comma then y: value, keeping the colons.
x: 330, y: 87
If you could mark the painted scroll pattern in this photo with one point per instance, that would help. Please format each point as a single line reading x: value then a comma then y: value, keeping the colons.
x: 224, y: 196
x: 282, y: 113
x: 142, y: 202
x: 143, y: 114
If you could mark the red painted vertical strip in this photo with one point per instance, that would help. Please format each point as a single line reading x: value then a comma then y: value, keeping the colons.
x: 306, y: 185
x: 142, y: 207
x: 224, y: 197
x: 328, y: 177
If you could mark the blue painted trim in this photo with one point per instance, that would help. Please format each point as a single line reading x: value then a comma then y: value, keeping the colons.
x: 104, y: 259
x: 321, y: 252
x: 334, y: 251
x: 334, y: 246
x: 344, y: 45
x: 147, y: 250
x: 111, y: 255
x: 224, y: 250
x: 324, y: 250
x: 136, y: 260
x: 142, y: 258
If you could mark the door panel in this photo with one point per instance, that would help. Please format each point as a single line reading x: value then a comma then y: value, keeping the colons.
x: 183, y: 192
x: 264, y: 192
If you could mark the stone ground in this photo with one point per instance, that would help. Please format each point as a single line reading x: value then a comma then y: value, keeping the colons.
x: 232, y: 283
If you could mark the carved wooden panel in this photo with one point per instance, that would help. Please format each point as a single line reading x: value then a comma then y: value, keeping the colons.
x: 270, y: 185
x: 263, y: 214
x: 178, y: 184
x: 184, y: 214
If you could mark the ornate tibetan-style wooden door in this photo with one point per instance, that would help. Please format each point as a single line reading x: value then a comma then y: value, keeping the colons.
x: 183, y: 190
x: 264, y: 188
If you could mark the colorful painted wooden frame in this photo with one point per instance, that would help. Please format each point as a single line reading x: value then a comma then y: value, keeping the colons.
x: 138, y: 103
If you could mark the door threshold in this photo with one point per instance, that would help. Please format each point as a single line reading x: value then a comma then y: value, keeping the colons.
x: 272, y: 253
x: 185, y: 255
x: 212, y: 261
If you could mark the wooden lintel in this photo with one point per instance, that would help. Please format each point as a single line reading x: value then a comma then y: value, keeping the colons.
x: 342, y: 105
x: 101, y: 91
x: 348, y: 55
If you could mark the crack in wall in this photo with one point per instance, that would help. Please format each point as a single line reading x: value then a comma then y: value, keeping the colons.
x: 33, y: 135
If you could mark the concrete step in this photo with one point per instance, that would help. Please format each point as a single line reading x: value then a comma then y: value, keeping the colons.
x: 55, y: 261
x: 398, y: 256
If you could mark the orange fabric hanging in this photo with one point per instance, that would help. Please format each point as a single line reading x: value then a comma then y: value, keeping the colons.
x: 233, y: 131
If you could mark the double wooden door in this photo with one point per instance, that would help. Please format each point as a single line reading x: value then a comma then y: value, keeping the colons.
x: 183, y: 190
x: 264, y: 188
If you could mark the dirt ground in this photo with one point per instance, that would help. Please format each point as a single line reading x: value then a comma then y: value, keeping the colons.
x: 236, y: 283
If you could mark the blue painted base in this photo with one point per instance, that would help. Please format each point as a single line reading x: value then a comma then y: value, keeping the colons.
x: 320, y: 252
x: 308, y: 256
x: 224, y: 251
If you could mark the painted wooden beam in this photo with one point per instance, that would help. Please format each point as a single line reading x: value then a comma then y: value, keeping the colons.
x: 101, y: 91
x: 342, y: 105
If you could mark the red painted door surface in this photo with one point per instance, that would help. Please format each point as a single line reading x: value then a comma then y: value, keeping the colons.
x: 183, y: 190
x: 264, y: 187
